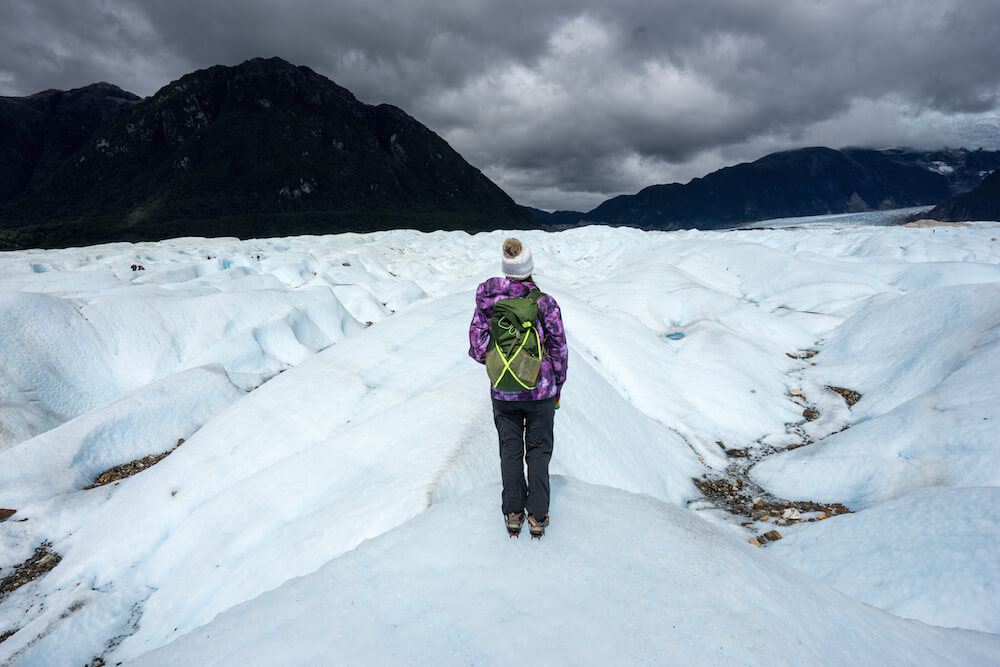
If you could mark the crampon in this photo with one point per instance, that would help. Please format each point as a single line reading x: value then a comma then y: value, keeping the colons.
x: 514, y: 521
x: 537, y: 526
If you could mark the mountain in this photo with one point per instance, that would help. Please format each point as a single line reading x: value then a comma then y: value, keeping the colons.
x: 42, y: 130
x: 557, y: 219
x: 261, y: 149
x: 803, y: 182
x: 983, y: 203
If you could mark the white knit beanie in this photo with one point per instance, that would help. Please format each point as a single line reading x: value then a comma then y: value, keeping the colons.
x: 517, y: 262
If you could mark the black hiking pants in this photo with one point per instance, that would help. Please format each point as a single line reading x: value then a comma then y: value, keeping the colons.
x: 525, y: 431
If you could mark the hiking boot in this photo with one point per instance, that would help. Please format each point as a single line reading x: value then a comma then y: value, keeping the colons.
x: 537, y: 526
x: 514, y: 521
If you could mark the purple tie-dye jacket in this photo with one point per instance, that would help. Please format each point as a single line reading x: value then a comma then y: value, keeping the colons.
x: 550, y: 329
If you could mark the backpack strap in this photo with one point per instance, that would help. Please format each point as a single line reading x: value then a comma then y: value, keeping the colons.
x: 507, y: 362
x: 533, y: 296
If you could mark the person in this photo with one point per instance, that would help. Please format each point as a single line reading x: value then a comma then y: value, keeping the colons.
x: 523, y: 418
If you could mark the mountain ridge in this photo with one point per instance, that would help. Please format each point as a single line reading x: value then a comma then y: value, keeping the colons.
x: 264, y: 148
x: 982, y: 203
x: 799, y: 182
x: 42, y: 129
x: 267, y: 148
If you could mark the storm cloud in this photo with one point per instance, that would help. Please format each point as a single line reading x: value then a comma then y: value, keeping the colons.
x: 565, y: 104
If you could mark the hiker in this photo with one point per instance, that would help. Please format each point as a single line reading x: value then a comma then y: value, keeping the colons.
x: 523, y: 405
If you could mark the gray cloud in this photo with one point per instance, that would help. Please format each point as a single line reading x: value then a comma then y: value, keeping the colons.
x: 564, y: 103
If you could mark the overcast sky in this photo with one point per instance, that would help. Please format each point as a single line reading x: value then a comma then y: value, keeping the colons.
x: 566, y: 104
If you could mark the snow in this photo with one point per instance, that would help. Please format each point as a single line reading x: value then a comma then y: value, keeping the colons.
x: 614, y: 587
x: 931, y: 400
x: 941, y: 168
x: 932, y: 554
x: 336, y: 495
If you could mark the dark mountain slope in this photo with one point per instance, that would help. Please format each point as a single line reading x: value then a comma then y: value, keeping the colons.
x: 983, y: 203
x: 804, y: 182
x: 557, y: 219
x: 261, y: 149
x: 40, y: 131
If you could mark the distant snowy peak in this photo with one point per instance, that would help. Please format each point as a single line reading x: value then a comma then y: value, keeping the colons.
x: 963, y: 169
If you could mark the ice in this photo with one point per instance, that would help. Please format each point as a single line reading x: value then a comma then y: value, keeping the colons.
x: 149, y: 420
x: 926, y: 363
x: 917, y: 556
x: 614, y: 585
x: 336, y: 496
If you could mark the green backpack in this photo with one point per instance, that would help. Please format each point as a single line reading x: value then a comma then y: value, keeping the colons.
x: 514, y: 358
